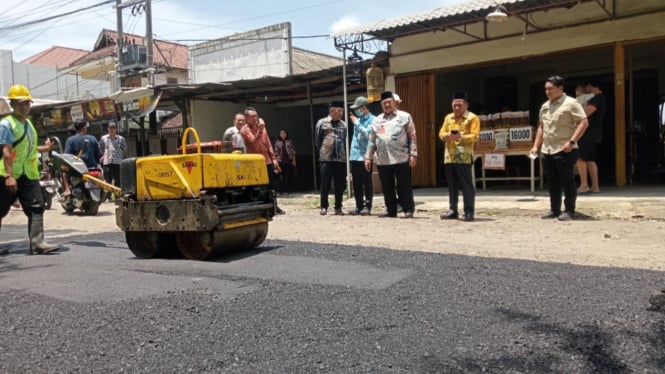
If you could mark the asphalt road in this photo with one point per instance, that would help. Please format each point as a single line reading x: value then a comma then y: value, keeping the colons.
x: 292, y: 307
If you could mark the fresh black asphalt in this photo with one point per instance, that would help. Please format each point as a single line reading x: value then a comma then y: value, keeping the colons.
x: 303, y: 307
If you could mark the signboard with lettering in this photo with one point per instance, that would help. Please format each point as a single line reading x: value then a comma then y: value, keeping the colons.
x: 494, y: 161
x: 485, y: 141
x: 77, y: 112
x: 521, y: 137
x: 140, y: 107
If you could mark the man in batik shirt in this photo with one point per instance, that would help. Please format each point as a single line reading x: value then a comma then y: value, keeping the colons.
x: 393, y: 138
x: 459, y: 132
x: 330, y: 140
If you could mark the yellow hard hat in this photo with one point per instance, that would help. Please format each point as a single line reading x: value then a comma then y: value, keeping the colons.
x: 19, y: 92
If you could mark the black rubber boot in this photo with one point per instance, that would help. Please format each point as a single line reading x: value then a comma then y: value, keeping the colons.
x: 36, y: 233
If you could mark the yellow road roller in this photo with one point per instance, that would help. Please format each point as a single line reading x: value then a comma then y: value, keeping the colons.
x: 200, y: 204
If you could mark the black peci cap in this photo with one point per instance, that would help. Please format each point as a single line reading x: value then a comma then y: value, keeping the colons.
x: 387, y: 95
x: 337, y: 104
x: 461, y: 95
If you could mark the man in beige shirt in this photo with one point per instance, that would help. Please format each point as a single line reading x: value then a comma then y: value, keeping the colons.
x: 562, y: 123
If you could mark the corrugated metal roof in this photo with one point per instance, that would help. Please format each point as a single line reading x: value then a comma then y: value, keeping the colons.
x: 304, y: 61
x: 466, y: 12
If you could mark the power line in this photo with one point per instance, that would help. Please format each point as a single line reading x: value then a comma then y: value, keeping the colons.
x: 257, y: 39
x: 41, y: 20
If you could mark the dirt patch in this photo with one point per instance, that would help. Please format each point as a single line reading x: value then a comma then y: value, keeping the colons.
x: 608, y: 232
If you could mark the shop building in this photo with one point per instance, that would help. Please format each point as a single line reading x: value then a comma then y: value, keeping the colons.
x: 501, y: 53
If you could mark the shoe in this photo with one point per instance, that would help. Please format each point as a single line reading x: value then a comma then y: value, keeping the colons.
x: 365, y: 212
x: 549, y: 215
x: 43, y: 251
x: 399, y: 209
x: 354, y: 212
x: 565, y: 216
x: 4, y: 251
x: 467, y: 218
x: 451, y: 214
x: 408, y: 215
x: 338, y: 212
x: 323, y: 211
x: 387, y: 215
x: 279, y: 211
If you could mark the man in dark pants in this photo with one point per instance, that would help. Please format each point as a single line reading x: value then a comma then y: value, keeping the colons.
x: 460, y: 131
x: 19, y: 168
x: 393, y: 138
x: 330, y: 140
x: 562, y: 123
x: 363, y: 189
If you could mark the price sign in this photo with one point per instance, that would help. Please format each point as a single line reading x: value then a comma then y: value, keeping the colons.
x: 486, y: 136
x: 521, y: 134
x: 77, y: 112
x: 494, y: 161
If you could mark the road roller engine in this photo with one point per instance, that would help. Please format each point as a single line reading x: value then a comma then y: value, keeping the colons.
x: 198, y: 204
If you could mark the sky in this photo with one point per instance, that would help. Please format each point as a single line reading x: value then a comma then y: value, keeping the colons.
x: 192, y: 21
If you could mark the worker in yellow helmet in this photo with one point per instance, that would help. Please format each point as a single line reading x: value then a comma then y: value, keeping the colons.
x: 19, y: 169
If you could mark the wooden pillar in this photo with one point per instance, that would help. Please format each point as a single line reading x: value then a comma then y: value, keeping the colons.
x: 433, y: 129
x: 620, y: 115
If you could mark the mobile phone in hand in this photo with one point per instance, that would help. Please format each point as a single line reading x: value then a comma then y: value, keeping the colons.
x: 454, y: 132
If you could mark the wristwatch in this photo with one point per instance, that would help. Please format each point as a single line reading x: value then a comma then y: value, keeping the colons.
x: 572, y: 142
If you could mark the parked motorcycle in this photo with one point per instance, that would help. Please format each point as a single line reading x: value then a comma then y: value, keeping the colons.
x: 49, y: 181
x: 84, y: 195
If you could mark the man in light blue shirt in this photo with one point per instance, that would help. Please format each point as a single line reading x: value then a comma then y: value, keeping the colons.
x: 362, y: 179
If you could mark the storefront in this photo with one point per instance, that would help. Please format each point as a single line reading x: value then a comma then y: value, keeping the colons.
x: 503, y: 67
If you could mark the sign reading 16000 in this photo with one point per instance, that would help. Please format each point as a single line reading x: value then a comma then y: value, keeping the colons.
x: 521, y: 134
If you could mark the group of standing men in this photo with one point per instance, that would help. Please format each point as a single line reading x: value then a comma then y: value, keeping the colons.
x: 389, y: 141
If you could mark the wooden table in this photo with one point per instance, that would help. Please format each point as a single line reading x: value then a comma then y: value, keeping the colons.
x: 510, y: 153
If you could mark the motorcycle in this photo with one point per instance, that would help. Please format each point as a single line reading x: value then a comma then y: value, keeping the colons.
x: 84, y: 195
x: 48, y: 179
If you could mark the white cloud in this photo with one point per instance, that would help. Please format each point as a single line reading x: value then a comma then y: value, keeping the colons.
x: 345, y: 22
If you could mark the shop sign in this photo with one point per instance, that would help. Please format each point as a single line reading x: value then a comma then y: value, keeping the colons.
x: 140, y: 107
x: 494, y: 161
x: 76, y: 112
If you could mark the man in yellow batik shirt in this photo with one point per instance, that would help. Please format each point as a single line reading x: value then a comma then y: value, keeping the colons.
x: 459, y: 132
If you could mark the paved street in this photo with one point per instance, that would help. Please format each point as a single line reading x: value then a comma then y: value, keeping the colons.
x: 306, y: 307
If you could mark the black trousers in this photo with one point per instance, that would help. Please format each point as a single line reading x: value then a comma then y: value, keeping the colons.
x: 112, y: 173
x: 559, y: 170
x: 401, y: 173
x: 287, y: 177
x: 29, y: 195
x: 363, y: 190
x: 459, y: 176
x: 334, y: 172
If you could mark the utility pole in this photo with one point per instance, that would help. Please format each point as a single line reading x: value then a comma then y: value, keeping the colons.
x: 148, y: 37
x: 149, y: 69
x: 118, y: 43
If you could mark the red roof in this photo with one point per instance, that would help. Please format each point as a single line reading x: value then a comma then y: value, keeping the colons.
x: 172, y: 122
x: 166, y: 54
x: 56, y: 56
